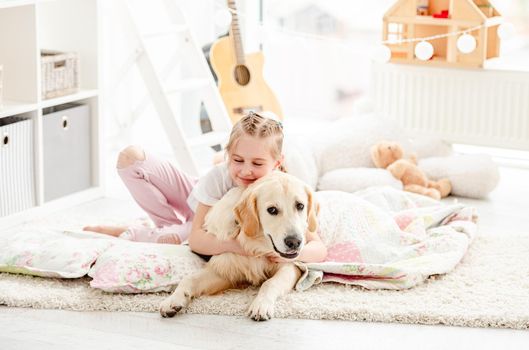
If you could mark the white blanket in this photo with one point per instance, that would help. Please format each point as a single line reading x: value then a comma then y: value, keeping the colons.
x: 385, y: 238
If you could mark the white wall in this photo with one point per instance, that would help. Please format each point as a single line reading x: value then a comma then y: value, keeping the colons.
x: 304, y: 70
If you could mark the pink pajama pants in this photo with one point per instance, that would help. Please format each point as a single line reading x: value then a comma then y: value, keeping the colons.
x: 161, y: 190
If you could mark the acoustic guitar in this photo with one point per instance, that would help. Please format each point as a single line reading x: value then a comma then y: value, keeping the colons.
x: 240, y: 77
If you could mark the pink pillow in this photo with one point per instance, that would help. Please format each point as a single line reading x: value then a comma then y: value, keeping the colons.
x: 134, y: 267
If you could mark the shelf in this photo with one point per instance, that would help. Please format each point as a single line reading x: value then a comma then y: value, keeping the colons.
x: 429, y: 20
x: 81, y: 95
x: 10, y: 108
x: 26, y: 27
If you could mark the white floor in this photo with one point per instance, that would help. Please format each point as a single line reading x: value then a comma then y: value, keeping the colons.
x: 504, y: 211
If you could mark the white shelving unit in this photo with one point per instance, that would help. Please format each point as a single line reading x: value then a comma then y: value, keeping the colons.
x: 26, y: 27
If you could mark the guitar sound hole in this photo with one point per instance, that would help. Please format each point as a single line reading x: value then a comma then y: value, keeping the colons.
x: 242, y: 75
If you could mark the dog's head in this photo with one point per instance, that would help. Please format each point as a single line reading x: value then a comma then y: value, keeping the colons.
x: 279, y: 208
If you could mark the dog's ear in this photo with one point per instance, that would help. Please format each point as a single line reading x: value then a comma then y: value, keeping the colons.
x: 247, y: 216
x: 312, y: 211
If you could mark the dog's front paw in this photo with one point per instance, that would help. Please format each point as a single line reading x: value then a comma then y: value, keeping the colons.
x: 172, y: 305
x: 261, y: 310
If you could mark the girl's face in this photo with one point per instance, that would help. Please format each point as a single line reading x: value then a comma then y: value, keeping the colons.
x: 251, y: 159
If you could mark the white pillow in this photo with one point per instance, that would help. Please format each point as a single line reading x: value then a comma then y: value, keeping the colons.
x: 471, y: 175
x: 49, y: 253
x: 355, y: 179
x: 347, y: 142
x: 429, y: 146
x: 136, y: 267
x: 299, y: 159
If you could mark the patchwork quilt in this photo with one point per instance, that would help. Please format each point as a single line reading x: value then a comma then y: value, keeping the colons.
x: 386, y: 238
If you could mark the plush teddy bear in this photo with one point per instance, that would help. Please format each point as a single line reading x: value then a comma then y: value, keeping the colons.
x: 389, y: 155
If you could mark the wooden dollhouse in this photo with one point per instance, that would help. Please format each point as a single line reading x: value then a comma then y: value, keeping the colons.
x: 408, y: 19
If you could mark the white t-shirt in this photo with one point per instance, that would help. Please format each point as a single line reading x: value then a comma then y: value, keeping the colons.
x: 211, y: 187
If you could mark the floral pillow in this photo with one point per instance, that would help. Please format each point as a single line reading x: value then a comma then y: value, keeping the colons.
x: 49, y: 253
x: 134, y: 267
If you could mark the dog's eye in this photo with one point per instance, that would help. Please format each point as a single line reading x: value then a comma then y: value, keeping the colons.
x: 300, y: 206
x: 272, y: 211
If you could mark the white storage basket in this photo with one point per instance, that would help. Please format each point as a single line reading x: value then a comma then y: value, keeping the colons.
x: 60, y: 73
x: 66, y: 150
x: 17, y: 186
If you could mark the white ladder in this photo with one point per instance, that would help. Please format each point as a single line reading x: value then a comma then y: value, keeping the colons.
x: 199, y: 80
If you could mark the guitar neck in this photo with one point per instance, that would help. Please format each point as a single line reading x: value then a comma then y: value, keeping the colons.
x: 235, y: 33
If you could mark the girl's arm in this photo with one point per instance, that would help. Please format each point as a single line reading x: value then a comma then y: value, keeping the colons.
x: 313, y: 251
x: 206, y: 243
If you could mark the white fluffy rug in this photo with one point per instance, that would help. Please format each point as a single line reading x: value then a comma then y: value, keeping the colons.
x: 490, y: 288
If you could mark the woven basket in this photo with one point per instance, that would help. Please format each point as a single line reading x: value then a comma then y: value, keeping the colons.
x: 60, y: 73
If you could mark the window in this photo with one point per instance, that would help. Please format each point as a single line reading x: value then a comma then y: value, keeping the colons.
x: 395, y: 32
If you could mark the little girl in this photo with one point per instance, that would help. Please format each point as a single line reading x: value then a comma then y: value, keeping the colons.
x: 178, y: 204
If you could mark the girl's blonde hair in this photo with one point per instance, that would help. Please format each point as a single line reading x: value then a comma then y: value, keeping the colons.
x: 254, y: 124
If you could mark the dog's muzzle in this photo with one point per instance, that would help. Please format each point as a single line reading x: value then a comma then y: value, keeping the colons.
x: 293, y: 243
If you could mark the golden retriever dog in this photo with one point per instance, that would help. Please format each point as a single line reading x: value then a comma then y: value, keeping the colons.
x: 270, y: 216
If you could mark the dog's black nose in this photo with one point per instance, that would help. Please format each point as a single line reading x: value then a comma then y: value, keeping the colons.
x: 292, y: 242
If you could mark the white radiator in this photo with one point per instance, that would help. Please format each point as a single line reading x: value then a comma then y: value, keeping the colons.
x: 480, y: 107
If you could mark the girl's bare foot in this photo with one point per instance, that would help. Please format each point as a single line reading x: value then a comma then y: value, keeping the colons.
x: 107, y: 230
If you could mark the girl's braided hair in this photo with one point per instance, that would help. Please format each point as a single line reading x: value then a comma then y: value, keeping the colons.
x: 254, y: 124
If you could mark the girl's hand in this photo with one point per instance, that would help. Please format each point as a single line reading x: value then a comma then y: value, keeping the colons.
x: 273, y: 257
x: 233, y: 246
